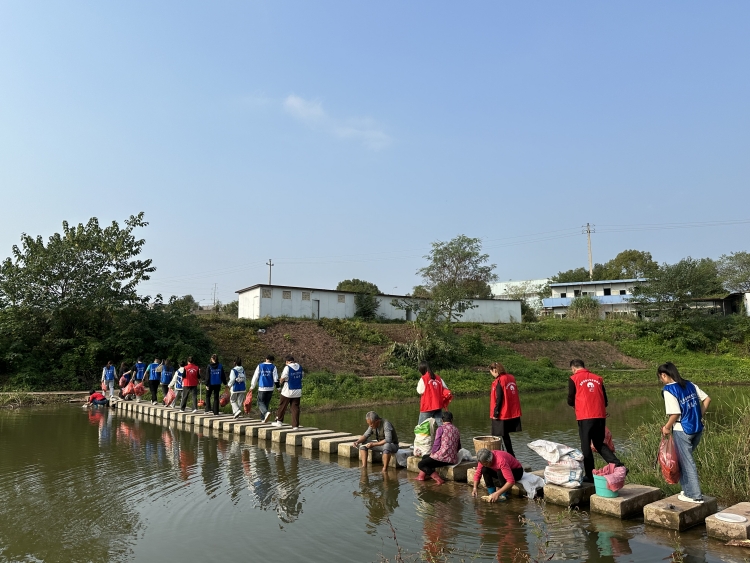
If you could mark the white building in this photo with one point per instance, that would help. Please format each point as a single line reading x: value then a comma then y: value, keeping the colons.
x: 527, y: 289
x: 259, y: 301
x: 614, y: 296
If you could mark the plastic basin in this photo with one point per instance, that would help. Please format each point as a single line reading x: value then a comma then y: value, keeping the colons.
x: 600, y: 483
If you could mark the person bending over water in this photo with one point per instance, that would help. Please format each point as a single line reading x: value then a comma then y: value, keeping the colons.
x: 500, y: 466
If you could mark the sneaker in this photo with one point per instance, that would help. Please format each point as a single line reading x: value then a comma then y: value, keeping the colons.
x: 237, y: 414
x: 295, y: 427
x: 208, y: 413
x: 277, y: 423
x: 194, y: 410
x: 684, y: 498
x: 182, y: 410
x: 265, y: 418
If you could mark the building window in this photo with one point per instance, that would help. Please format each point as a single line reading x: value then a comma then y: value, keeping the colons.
x: 286, y: 294
x: 342, y: 298
x: 563, y: 295
x: 576, y: 293
x: 305, y: 296
x: 585, y: 293
x: 265, y: 293
x: 607, y: 291
x: 623, y: 292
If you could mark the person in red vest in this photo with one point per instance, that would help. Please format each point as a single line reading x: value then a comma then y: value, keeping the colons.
x: 587, y: 394
x: 431, y: 387
x: 190, y: 381
x: 505, y: 406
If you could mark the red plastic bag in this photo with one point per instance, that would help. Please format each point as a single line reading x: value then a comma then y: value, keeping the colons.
x: 248, y: 403
x: 123, y: 381
x: 169, y: 397
x: 669, y: 460
x: 104, y: 385
x: 139, y: 389
x: 447, y: 398
x: 224, y: 399
x: 129, y: 389
x: 607, y: 441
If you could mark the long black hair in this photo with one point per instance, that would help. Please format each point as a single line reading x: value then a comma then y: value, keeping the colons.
x: 424, y: 367
x: 670, y: 370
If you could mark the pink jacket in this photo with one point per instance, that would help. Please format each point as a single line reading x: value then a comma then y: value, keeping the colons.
x: 447, y: 443
x: 502, y: 462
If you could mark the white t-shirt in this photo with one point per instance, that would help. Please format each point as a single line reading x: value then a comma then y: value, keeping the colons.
x: 672, y: 405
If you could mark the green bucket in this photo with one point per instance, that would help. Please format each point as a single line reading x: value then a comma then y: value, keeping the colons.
x: 600, y: 483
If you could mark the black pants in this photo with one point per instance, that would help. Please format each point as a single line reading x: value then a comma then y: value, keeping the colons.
x: 490, y: 475
x: 592, y: 430
x: 164, y: 389
x: 428, y: 465
x: 213, y: 390
x: 504, y: 428
x: 153, y: 385
x: 186, y: 391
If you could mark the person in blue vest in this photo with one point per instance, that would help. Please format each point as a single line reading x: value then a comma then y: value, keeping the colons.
x: 291, y: 392
x: 139, y: 372
x: 108, y: 377
x: 215, y: 378
x: 265, y: 377
x: 153, y: 371
x: 176, y: 384
x: 237, y: 387
x: 685, y: 404
x: 167, y: 371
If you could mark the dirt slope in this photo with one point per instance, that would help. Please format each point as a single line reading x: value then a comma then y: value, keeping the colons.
x: 594, y: 354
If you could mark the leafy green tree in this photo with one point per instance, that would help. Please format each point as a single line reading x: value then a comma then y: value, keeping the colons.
x: 734, y: 271
x: 365, y: 303
x: 358, y: 286
x: 630, y: 264
x: 584, y: 307
x: 232, y: 308
x: 421, y: 292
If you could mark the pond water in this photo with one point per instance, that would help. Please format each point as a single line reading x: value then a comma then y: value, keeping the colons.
x: 101, y: 486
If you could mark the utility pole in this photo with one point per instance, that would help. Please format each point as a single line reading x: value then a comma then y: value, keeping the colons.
x: 215, y: 295
x: 270, y: 265
x: 587, y: 230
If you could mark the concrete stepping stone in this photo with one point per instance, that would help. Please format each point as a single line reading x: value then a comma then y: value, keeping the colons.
x: 280, y: 434
x: 311, y: 442
x: 264, y: 432
x: 562, y: 496
x: 674, y: 514
x: 215, y: 422
x: 458, y: 473
x: 629, y: 503
x: 515, y: 490
x: 253, y: 430
x: 345, y: 449
x: 331, y: 445
x: 296, y: 438
x: 719, y: 529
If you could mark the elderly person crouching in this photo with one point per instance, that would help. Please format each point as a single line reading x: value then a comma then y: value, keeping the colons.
x: 384, y: 436
x: 444, y: 450
x: 497, y: 465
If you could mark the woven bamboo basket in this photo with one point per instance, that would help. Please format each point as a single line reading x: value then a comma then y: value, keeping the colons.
x: 489, y: 442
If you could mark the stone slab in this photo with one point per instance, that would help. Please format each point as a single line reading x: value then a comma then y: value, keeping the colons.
x: 264, y: 432
x: 296, y: 438
x: 674, y: 514
x: 562, y: 496
x: 458, y: 473
x: 216, y: 421
x: 331, y: 445
x: 280, y: 434
x: 345, y: 449
x: 253, y: 431
x: 719, y: 529
x: 629, y: 503
x: 311, y: 442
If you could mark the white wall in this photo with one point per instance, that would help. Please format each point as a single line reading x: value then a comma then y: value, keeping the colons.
x: 593, y: 289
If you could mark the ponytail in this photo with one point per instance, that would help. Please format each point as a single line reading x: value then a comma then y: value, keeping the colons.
x: 670, y: 370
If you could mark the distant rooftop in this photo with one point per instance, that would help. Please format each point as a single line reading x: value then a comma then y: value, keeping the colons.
x: 597, y: 282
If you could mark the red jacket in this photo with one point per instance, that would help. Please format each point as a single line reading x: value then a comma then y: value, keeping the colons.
x: 589, y: 401
x: 432, y: 398
x: 510, y: 403
x: 192, y: 376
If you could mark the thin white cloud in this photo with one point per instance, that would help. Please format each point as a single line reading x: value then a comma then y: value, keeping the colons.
x: 363, y: 130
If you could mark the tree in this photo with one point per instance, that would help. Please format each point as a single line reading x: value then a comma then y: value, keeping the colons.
x: 631, y: 264
x: 456, y: 274
x: 358, y: 286
x: 232, y: 308
x: 734, y: 271
x: 421, y: 292
x: 584, y: 307
x: 365, y: 303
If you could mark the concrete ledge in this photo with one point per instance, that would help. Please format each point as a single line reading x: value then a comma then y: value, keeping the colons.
x: 629, y: 503
x: 311, y: 442
x: 718, y: 529
x: 280, y: 434
x: 345, y: 449
x: 458, y: 473
x: 216, y: 421
x: 515, y: 490
x: 296, y: 438
x: 562, y: 496
x: 674, y: 514
x: 331, y: 445
x: 264, y: 432
x: 253, y: 430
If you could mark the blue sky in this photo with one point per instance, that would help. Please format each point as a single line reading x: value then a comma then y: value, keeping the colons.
x: 342, y: 138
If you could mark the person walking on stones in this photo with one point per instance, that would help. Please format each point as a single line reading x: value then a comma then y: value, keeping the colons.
x: 500, y: 466
x: 291, y: 392
x: 153, y: 372
x: 215, y: 378
x: 444, y: 450
x: 126, y: 373
x: 385, y: 439
x: 176, y: 383
x: 139, y: 372
x: 505, y: 405
x: 167, y: 373
x: 265, y: 377
x: 430, y: 387
x: 108, y: 377
x: 190, y: 382
x: 686, y: 405
x: 237, y: 387
x: 587, y: 395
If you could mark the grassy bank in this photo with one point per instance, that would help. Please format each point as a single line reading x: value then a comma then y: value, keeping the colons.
x: 721, y: 457
x: 15, y: 400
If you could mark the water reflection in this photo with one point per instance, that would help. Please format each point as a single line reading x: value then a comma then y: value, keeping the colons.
x: 379, y: 493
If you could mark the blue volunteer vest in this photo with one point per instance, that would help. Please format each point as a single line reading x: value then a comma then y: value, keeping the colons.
x: 239, y: 381
x: 265, y: 375
x: 152, y: 373
x: 178, y: 383
x: 109, y: 373
x: 215, y: 375
x: 295, y: 378
x: 166, y: 375
x: 690, y: 406
x: 140, y: 370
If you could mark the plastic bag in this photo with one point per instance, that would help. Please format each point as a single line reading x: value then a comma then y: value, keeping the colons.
x: 248, y: 402
x: 423, y: 437
x: 123, y: 381
x: 104, y: 385
x: 224, y: 399
x: 607, y: 441
x: 553, y: 452
x: 169, y: 397
x: 139, y: 389
x: 669, y: 460
x: 129, y: 389
x: 447, y: 398
x: 563, y: 475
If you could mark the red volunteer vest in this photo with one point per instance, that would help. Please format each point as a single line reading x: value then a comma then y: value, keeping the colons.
x: 432, y: 398
x: 589, y: 395
x: 190, y: 379
x: 507, y: 385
